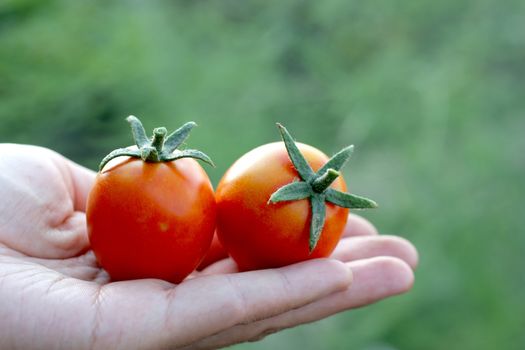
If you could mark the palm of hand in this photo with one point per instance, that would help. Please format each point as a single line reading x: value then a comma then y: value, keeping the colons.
x: 55, y: 295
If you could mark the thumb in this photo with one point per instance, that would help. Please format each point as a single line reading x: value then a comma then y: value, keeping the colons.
x: 42, y: 201
x: 69, y: 237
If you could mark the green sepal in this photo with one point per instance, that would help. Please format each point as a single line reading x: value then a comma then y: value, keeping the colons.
x: 291, y: 192
x: 347, y: 200
x: 159, y: 148
x: 176, y: 138
x: 189, y: 153
x: 301, y: 165
x: 317, y: 202
x: 338, y: 160
x: 139, y: 134
x: 316, y: 186
x: 119, y: 153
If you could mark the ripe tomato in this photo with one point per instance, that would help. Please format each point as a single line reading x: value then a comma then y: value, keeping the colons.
x: 260, y: 234
x: 151, y: 219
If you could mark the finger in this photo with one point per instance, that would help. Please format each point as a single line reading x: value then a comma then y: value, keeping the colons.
x: 38, y: 217
x: 78, y: 178
x: 221, y: 267
x: 204, y: 306
x: 82, y: 181
x: 355, y: 226
x: 65, y: 240
x: 364, y: 247
x: 68, y: 239
x: 373, y: 280
x: 358, y: 226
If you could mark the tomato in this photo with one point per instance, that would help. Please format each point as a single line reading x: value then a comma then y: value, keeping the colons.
x: 151, y: 219
x: 260, y: 234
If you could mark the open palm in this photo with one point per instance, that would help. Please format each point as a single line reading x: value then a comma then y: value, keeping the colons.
x: 54, y: 295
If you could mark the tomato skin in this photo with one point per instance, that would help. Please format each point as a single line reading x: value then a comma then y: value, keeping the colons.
x: 260, y: 235
x: 151, y: 220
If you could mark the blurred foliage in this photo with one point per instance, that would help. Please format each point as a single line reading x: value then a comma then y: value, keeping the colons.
x: 431, y: 92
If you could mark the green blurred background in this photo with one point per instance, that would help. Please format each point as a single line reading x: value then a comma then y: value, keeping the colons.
x: 430, y: 92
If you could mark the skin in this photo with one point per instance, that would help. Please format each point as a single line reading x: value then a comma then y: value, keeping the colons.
x: 151, y: 220
x: 55, y: 296
x: 278, y: 233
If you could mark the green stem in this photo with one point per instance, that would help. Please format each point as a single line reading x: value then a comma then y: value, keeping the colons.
x: 324, y: 181
x: 159, y: 134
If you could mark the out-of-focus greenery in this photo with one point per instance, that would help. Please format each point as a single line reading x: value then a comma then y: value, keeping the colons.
x: 432, y: 93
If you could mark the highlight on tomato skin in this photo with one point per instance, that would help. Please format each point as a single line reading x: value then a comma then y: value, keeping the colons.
x: 283, y: 203
x: 151, y: 212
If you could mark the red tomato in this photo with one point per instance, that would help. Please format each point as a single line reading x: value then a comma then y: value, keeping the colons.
x: 152, y: 215
x: 151, y: 220
x: 258, y: 234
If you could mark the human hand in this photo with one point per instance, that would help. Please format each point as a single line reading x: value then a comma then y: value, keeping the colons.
x: 54, y: 295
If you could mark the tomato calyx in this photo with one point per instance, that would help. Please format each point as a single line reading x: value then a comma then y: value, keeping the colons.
x: 315, y: 186
x: 159, y: 148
